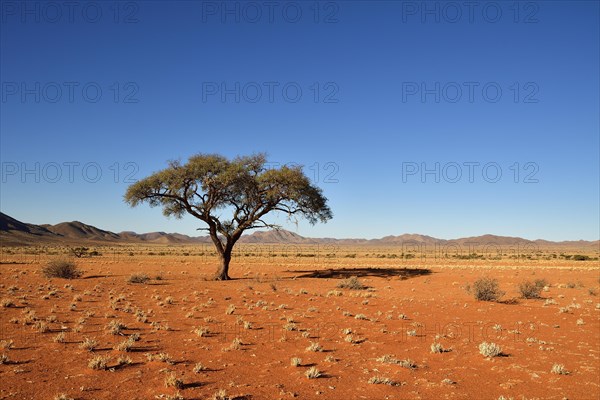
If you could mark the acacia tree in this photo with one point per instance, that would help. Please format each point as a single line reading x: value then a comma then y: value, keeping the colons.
x: 210, y: 185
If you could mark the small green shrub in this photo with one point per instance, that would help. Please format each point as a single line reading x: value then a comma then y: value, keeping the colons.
x: 79, y: 251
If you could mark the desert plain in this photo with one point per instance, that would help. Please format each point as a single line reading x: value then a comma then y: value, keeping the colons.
x: 146, y: 322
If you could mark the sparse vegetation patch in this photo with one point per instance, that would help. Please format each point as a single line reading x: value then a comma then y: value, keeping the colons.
x: 63, y: 269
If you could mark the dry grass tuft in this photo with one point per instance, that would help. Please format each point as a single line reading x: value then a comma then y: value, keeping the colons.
x: 173, y: 381
x: 6, y: 344
x: 438, y: 348
x: 559, y: 369
x: 98, y: 363
x: 138, y: 278
x: 352, y: 283
x: 59, y: 338
x: 63, y: 269
x: 41, y: 327
x: 221, y: 395
x: 314, y: 346
x: 379, y: 380
x: 199, y: 367
x: 313, y: 373
x: 295, y: 362
x: 7, y: 303
x: 124, y: 360
x: 389, y: 359
x: 490, y: 349
x: 63, y: 396
x: 115, y: 327
x: 125, y: 345
x: 202, y: 331
x: 236, y: 344
x: 88, y: 344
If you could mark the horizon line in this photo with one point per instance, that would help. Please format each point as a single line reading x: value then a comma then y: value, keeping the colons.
x: 249, y: 233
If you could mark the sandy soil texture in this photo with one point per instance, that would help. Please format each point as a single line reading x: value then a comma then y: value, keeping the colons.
x: 413, y: 332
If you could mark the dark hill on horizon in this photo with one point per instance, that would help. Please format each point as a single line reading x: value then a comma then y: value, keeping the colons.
x: 17, y: 233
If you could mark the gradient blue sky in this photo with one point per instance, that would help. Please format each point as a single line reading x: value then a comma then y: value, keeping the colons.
x: 164, y: 56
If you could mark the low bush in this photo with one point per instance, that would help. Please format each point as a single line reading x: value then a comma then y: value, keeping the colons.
x: 138, y: 278
x: 530, y: 290
x: 487, y: 289
x: 351, y: 283
x: 61, y: 269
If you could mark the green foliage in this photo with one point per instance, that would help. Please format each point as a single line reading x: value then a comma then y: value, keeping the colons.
x: 209, y: 183
x: 230, y: 196
x: 79, y: 251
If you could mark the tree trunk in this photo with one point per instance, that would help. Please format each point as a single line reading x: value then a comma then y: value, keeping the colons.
x: 223, y: 271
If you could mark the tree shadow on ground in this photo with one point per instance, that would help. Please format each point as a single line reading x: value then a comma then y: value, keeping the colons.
x: 341, y: 273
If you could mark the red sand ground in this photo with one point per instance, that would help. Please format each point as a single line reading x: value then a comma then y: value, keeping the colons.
x: 430, y: 293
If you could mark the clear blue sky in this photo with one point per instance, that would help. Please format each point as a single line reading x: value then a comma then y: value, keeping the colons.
x: 387, y: 89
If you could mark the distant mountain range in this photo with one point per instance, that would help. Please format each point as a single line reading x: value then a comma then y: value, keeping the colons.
x: 17, y: 233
